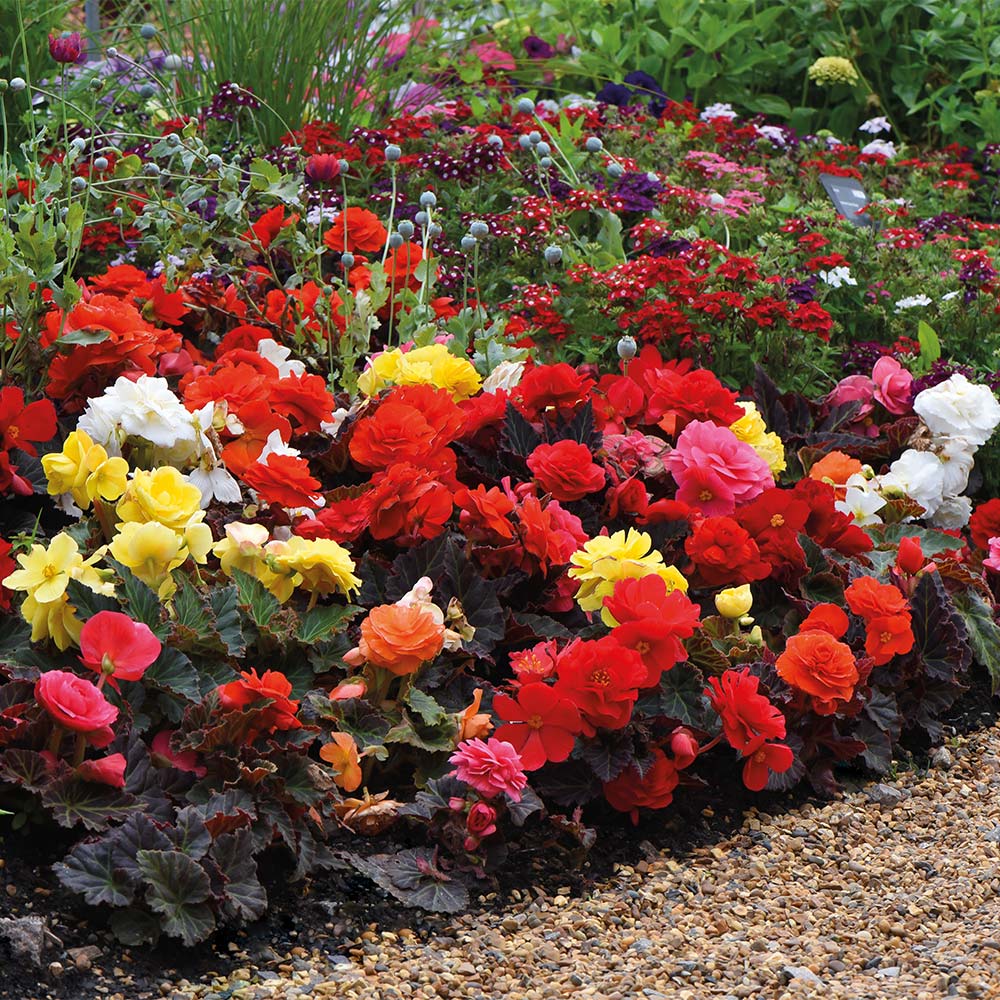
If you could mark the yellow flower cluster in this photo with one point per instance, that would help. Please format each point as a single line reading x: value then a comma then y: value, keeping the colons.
x: 605, y: 560
x: 432, y: 365
x: 752, y: 430
x: 319, y: 566
x: 828, y: 70
x: 162, y: 527
x: 84, y: 470
x: 44, y: 575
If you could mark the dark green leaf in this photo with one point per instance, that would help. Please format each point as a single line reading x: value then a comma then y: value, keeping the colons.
x: 143, y: 604
x: 607, y: 755
x: 72, y: 800
x: 984, y: 633
x: 92, y: 870
x: 172, y: 671
x: 434, y: 798
x: 412, y: 877
x: 134, y: 927
x: 429, y: 710
x: 25, y: 768
x: 528, y: 805
x: 245, y: 897
x: 189, y: 835
x: 137, y: 833
x: 678, y: 696
x: 542, y: 626
x: 518, y: 436
x: 178, y: 888
x: 86, y: 602
x: 228, y: 625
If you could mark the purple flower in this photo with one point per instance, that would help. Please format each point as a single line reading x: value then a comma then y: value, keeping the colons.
x: 538, y: 48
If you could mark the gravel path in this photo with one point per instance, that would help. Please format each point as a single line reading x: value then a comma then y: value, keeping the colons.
x: 891, y: 891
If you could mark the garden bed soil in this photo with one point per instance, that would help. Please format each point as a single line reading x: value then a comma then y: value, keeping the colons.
x: 330, y: 911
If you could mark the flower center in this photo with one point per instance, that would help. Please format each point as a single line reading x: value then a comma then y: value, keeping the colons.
x: 601, y: 677
x: 777, y: 521
x: 760, y: 756
x: 705, y: 495
x: 50, y: 571
x: 13, y: 431
x: 642, y: 647
x: 885, y: 637
x: 534, y: 722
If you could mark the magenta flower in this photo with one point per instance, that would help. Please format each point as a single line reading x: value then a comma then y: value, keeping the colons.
x: 489, y: 767
x: 67, y: 48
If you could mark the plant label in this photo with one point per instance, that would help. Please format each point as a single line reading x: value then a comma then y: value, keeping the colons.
x: 848, y: 196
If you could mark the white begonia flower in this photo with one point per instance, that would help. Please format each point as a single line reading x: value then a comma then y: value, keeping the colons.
x: 954, y: 512
x: 880, y: 146
x: 216, y: 482
x: 506, y: 375
x: 274, y: 445
x: 912, y: 301
x: 272, y: 351
x: 837, y: 276
x: 147, y: 408
x: 861, y: 501
x: 718, y: 110
x: 100, y: 420
x: 336, y: 421
x: 957, y: 459
x: 918, y: 474
x: 875, y: 125
x: 959, y: 408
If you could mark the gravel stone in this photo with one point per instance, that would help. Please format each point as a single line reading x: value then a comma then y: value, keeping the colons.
x: 906, y: 905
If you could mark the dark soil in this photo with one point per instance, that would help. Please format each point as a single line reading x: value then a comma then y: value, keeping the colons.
x: 329, y: 911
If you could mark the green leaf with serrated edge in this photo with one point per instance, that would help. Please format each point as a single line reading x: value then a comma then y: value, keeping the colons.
x: 72, y: 800
x: 91, y: 870
x: 177, y: 889
x: 932, y: 542
x: 143, y: 604
x: 173, y: 671
x: 320, y: 622
x: 426, y: 706
x: 190, y: 609
x: 429, y: 739
x: 984, y: 633
x: 678, y: 696
x: 542, y: 626
x: 86, y: 602
x: 413, y: 878
x: 245, y: 897
x: 255, y: 598
x: 228, y: 625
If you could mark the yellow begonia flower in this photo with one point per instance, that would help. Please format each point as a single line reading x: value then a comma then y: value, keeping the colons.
x: 431, y: 365
x: 45, y: 572
x: 752, y: 430
x: 151, y: 551
x: 243, y: 548
x: 44, y: 575
x: 84, y: 470
x: 322, y: 565
x: 606, y: 559
x: 164, y: 496
x: 734, y: 602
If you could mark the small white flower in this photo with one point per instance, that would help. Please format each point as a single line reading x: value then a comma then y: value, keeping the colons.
x: 718, y: 111
x: 837, y: 277
x: 274, y: 445
x: 336, y: 421
x: 912, y: 301
x: 272, y: 351
x: 882, y: 147
x: 773, y: 133
x: 861, y: 501
x: 958, y: 408
x: 875, y: 125
x: 216, y: 482
x: 506, y: 375
x: 948, y: 296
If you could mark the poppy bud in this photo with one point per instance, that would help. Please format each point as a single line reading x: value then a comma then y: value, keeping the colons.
x: 67, y: 48
x: 323, y: 167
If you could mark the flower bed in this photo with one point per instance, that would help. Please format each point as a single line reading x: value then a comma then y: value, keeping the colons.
x: 491, y: 466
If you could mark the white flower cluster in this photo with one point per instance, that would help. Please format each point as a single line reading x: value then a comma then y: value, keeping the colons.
x: 960, y: 416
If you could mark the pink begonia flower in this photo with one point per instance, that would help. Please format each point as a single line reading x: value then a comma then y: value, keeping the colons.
x: 893, y: 385
x: 183, y: 760
x: 108, y: 770
x: 993, y: 561
x: 714, y: 470
x: 489, y: 767
x: 854, y: 388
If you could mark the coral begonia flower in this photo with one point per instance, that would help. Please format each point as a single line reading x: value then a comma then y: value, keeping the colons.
x: 827, y: 618
x: 114, y: 644
x: 888, y: 636
x: 342, y: 756
x: 766, y: 758
x: 748, y: 717
x: 22, y: 425
x: 541, y: 724
x: 108, y: 770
